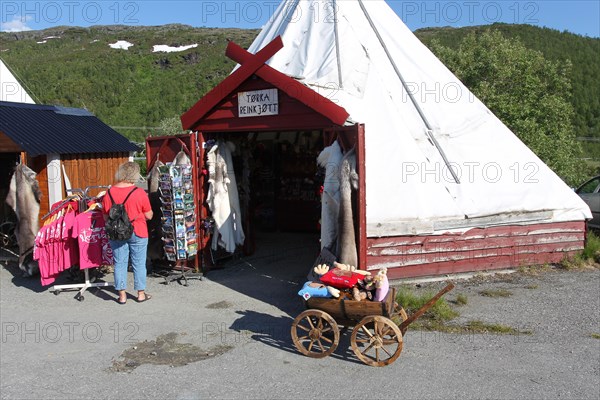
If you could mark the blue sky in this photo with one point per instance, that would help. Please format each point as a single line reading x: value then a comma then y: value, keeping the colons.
x: 577, y: 16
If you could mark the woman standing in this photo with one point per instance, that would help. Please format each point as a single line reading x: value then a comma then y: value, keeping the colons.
x: 137, y: 206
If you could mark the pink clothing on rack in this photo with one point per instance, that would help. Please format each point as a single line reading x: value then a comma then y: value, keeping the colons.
x: 70, y: 249
x: 94, y: 248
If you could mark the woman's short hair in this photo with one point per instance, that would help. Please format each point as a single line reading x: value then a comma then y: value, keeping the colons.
x: 128, y: 172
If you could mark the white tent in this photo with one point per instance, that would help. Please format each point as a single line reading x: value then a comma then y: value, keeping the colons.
x: 10, y: 88
x: 437, y: 159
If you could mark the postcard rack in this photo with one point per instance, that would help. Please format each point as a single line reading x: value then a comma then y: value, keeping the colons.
x: 179, y: 218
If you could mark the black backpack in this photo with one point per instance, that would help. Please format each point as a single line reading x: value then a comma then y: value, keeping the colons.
x: 118, y: 226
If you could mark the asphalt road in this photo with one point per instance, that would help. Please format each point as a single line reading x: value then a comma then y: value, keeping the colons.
x: 228, y: 337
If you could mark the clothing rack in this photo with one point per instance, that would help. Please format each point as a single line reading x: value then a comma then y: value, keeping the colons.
x: 84, y: 197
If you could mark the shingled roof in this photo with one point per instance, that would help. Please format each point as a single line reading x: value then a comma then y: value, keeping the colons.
x: 43, y: 129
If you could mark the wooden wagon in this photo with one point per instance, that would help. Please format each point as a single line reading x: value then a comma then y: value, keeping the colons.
x: 376, y: 339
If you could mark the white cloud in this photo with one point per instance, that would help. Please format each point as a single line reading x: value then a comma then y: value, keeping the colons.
x: 16, y: 25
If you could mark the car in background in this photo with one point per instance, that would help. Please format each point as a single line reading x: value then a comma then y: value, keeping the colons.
x: 590, y: 193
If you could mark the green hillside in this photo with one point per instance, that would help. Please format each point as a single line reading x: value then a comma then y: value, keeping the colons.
x: 139, y: 88
x: 125, y: 88
x: 583, y: 52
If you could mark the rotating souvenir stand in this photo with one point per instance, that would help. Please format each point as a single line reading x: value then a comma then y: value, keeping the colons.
x: 179, y: 231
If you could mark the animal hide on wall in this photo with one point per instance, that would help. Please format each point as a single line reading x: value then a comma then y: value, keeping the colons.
x: 155, y: 244
x: 182, y: 159
x: 330, y: 159
x: 347, y: 252
x: 24, y: 198
x: 223, y: 199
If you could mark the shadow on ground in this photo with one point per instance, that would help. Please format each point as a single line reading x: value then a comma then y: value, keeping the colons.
x: 275, y: 331
x: 274, y: 273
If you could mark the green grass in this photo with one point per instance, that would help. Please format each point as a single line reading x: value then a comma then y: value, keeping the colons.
x: 482, y: 327
x: 532, y: 286
x: 460, y: 300
x: 439, y: 317
x: 495, y: 293
x: 589, y: 255
x: 411, y: 301
x: 592, y: 247
x: 595, y: 335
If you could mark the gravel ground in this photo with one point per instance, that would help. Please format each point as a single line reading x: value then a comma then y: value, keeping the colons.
x: 227, y: 336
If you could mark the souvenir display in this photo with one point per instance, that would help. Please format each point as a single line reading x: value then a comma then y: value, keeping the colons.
x: 178, y: 210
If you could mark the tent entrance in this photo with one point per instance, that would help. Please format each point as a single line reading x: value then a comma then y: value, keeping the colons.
x: 279, y: 186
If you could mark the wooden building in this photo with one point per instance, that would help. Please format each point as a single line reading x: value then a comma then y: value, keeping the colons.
x: 64, y: 146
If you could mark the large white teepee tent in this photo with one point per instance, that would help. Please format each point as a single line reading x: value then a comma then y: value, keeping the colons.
x: 437, y: 159
x: 10, y: 88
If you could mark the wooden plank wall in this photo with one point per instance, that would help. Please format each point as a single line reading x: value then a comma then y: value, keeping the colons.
x: 478, y: 249
x: 7, y: 145
x: 292, y: 115
x: 94, y: 169
x: 39, y: 164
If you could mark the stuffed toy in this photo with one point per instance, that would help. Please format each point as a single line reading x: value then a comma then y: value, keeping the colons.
x: 364, y: 290
x: 382, y: 284
x: 318, y: 289
x: 342, y: 276
x: 315, y: 289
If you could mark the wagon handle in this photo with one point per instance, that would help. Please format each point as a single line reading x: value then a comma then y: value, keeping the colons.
x: 404, y: 325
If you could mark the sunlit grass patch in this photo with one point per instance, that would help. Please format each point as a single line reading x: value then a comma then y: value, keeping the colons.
x: 495, y: 293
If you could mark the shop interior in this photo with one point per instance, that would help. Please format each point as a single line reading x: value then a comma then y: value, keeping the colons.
x: 279, y: 187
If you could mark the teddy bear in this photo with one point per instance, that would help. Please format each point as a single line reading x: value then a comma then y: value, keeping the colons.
x: 356, y: 284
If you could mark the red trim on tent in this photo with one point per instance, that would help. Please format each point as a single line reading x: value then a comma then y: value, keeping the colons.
x: 254, y: 64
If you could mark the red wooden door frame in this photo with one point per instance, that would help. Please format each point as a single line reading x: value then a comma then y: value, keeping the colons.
x: 355, y: 136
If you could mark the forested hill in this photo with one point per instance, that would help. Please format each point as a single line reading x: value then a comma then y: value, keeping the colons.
x: 139, y: 88
x: 583, y: 53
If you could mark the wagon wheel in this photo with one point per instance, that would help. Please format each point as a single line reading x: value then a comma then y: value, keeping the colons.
x: 399, y: 312
x: 376, y: 341
x: 315, y: 333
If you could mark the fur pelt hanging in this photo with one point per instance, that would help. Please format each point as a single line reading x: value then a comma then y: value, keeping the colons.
x: 347, y: 252
x: 154, y: 177
x: 155, y: 248
x: 182, y: 159
x: 330, y: 159
x: 24, y: 198
x: 222, y: 198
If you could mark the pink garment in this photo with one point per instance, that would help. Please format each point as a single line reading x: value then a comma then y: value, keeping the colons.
x: 48, y: 251
x: 94, y: 249
x: 70, y: 248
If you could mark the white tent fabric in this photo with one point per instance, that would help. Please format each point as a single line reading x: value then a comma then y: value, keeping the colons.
x: 10, y: 88
x: 356, y: 53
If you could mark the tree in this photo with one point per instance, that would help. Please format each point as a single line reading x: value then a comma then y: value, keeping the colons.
x: 170, y: 126
x: 530, y: 94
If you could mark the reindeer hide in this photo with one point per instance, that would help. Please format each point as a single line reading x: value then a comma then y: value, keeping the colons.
x: 347, y: 241
x: 222, y: 198
x: 154, y: 177
x: 182, y: 159
x: 155, y: 244
x: 24, y: 198
x: 330, y: 159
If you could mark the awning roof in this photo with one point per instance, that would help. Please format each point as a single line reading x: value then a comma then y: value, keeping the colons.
x: 43, y: 129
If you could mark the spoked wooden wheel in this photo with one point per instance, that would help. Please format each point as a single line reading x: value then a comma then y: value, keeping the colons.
x: 376, y: 341
x: 315, y: 333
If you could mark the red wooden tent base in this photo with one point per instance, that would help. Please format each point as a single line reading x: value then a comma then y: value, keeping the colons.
x: 478, y: 249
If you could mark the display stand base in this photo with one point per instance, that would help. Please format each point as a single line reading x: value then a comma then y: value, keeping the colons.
x: 181, y: 273
x: 57, y: 289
